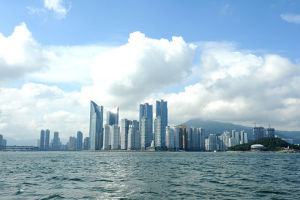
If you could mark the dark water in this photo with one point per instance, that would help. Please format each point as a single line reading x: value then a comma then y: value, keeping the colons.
x: 149, y: 175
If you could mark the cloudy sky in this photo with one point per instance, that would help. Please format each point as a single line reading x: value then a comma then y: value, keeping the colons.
x: 230, y: 61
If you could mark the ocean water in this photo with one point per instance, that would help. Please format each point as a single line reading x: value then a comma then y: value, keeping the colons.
x: 149, y: 175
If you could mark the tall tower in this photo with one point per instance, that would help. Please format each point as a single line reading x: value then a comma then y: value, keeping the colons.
x: 162, y: 110
x: 79, y: 141
x: 159, y: 133
x: 146, y: 110
x: 258, y: 132
x: 145, y: 133
x: 112, y: 118
x: 124, y: 133
x: 47, y: 140
x: 96, y: 126
x: 42, y: 140
x: 56, y: 142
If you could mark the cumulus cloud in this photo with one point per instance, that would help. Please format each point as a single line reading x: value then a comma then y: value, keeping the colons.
x: 291, y: 18
x: 20, y: 54
x: 57, y: 6
x: 139, y: 68
x: 26, y: 110
x: 241, y: 87
x: 218, y: 81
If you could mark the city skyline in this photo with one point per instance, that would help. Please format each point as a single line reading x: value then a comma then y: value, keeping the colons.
x: 240, y: 66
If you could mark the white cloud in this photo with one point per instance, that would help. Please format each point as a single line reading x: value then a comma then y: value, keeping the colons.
x: 140, y: 68
x: 57, y: 6
x: 20, y: 54
x: 26, y: 110
x: 227, y: 84
x: 291, y: 18
x: 236, y: 87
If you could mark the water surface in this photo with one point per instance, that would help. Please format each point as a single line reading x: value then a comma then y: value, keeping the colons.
x: 149, y: 175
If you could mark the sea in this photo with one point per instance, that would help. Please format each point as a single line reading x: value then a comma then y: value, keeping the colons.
x: 149, y: 175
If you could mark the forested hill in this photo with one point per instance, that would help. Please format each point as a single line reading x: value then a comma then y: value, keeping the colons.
x: 270, y: 144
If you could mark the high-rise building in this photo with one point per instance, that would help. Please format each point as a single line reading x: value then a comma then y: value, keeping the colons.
x: 1, y: 143
x: 56, y: 145
x: 42, y: 140
x: 4, y: 142
x: 71, y: 145
x: 212, y: 142
x: 124, y: 133
x: 86, y: 143
x: 106, y: 137
x: 146, y: 110
x: 134, y: 140
x: 162, y: 111
x: 172, y: 138
x: 189, y: 139
x: 145, y: 130
x: 115, y: 137
x: 79, y: 141
x: 112, y: 118
x: 270, y: 132
x: 258, y: 132
x: 47, y: 140
x: 159, y: 133
x: 96, y: 126
x: 201, y: 132
x: 182, y: 137
x: 244, y: 137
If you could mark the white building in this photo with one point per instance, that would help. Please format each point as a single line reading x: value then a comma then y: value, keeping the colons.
x: 134, y: 136
x: 115, y: 137
x: 172, y: 137
x: 106, y: 137
x: 124, y: 133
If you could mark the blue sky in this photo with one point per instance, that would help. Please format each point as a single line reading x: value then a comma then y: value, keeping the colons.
x: 230, y: 61
x: 252, y: 24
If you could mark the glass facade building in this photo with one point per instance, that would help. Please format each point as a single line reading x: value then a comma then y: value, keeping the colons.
x: 96, y: 126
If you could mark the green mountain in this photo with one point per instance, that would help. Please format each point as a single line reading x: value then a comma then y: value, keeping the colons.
x: 219, y: 127
x: 270, y: 144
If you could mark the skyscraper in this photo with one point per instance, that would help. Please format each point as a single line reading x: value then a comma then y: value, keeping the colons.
x: 115, y: 137
x: 172, y: 138
x: 162, y: 110
x: 106, y: 137
x: 258, y: 132
x: 112, y: 117
x: 134, y: 139
x: 212, y: 142
x: 96, y: 126
x: 1, y: 142
x: 86, y: 143
x: 79, y: 141
x: 159, y: 133
x: 124, y: 133
x: 270, y: 132
x: 182, y: 137
x: 145, y: 131
x: 71, y: 145
x: 146, y: 110
x: 202, y: 139
x: 47, y: 140
x: 56, y: 142
x: 42, y: 140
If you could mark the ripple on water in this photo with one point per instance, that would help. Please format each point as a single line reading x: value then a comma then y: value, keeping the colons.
x: 142, y: 175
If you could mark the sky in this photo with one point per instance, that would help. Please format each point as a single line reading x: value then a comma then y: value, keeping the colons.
x: 229, y: 61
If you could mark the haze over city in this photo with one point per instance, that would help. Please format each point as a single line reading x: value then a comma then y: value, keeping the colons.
x: 234, y: 62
